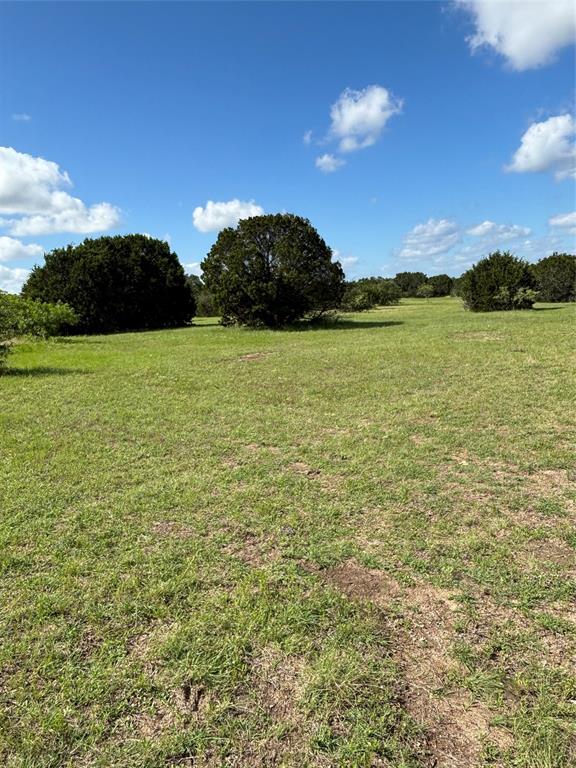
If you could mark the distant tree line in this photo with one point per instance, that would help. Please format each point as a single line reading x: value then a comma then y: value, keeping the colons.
x: 268, y: 271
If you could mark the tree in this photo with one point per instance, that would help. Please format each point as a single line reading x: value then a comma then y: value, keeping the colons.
x: 129, y: 282
x: 272, y: 270
x: 556, y: 277
x: 442, y: 284
x: 205, y: 306
x: 425, y: 291
x: 408, y: 282
x: 370, y: 292
x: 499, y: 282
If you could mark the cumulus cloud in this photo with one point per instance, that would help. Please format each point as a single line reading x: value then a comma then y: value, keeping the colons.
x: 358, y: 117
x: 34, y: 189
x: 436, y: 236
x: 193, y: 268
x: 528, y: 33
x: 307, y: 138
x: 564, y: 223
x: 329, y: 163
x: 14, y: 249
x: 76, y: 218
x: 12, y: 280
x: 216, y: 216
x: 492, y: 231
x: 21, y: 117
x: 547, y: 146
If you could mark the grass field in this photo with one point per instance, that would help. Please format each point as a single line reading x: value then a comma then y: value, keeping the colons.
x: 339, y: 547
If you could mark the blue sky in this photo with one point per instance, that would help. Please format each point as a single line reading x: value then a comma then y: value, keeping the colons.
x: 413, y: 135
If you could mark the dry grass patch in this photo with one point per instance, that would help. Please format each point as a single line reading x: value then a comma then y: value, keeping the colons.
x: 457, y: 727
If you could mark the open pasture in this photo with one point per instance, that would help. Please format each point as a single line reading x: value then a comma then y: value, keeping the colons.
x: 349, y: 546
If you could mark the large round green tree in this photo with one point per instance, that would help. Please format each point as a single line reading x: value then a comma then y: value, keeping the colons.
x: 272, y: 270
x: 556, y: 277
x: 499, y: 282
x: 121, y: 283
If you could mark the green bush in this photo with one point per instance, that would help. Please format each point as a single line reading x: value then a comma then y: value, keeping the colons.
x: 556, y: 277
x: 25, y: 317
x: 499, y: 282
x: 442, y: 284
x: 272, y: 270
x: 369, y: 292
x: 425, y: 291
x: 122, y: 283
x: 408, y: 282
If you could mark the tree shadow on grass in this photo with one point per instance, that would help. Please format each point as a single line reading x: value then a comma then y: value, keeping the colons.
x: 76, y: 340
x: 41, y: 370
x: 547, y: 309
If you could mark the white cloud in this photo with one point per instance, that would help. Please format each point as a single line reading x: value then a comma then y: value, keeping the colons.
x: 359, y: 117
x: 434, y: 237
x: 33, y: 188
x: 14, y: 249
x: 347, y: 261
x: 21, y: 117
x: 492, y: 231
x: 548, y: 146
x: 307, y: 138
x: 563, y: 220
x: 216, y: 216
x: 12, y: 280
x: 77, y: 218
x: 193, y: 268
x: 329, y: 163
x: 528, y: 33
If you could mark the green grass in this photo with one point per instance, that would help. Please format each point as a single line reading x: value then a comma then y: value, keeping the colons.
x: 304, y: 558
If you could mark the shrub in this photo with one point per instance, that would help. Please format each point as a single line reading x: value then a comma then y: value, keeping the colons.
x: 120, y: 283
x: 271, y: 271
x: 556, y: 277
x: 408, y: 282
x: 425, y: 291
x: 442, y: 284
x: 25, y: 317
x: 370, y: 292
x: 499, y: 282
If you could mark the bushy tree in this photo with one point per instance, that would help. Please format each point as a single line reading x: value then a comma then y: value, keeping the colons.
x: 499, y: 282
x: 127, y: 282
x: 442, y: 284
x: 370, y: 292
x: 272, y: 270
x: 556, y: 277
x: 425, y: 291
x: 409, y: 282
x: 25, y: 317
x: 203, y: 298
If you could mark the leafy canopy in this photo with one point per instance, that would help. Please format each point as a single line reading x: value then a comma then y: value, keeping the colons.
x: 499, y: 282
x: 272, y: 270
x: 556, y: 277
x: 127, y: 282
x: 409, y: 282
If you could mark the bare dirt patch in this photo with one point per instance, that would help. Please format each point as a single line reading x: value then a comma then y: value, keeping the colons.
x: 252, y: 550
x: 457, y: 727
x: 172, y: 528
